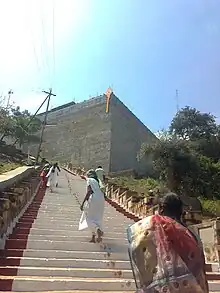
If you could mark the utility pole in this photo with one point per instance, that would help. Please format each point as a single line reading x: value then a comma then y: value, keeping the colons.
x: 49, y: 94
x: 32, y: 118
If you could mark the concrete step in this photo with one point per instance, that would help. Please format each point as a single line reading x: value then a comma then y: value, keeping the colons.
x: 65, y: 263
x: 72, y: 217
x: 46, y: 252
x: 36, y: 283
x: 64, y: 245
x: 63, y: 254
x: 52, y: 237
x: 74, y: 221
x: 68, y: 213
x: 80, y: 285
x: 214, y: 286
x: 65, y: 272
x: 75, y: 291
x: 73, y: 227
x: 67, y: 232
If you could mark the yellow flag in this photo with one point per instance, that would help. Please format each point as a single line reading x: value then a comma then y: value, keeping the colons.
x: 108, y: 96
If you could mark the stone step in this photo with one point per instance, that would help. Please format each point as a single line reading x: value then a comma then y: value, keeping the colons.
x: 213, y: 276
x: 73, y: 212
x: 214, y: 286
x: 75, y: 291
x: 87, y: 238
x: 65, y: 272
x: 71, y: 216
x: 76, y: 272
x: 64, y: 245
x: 66, y: 232
x: 65, y: 263
x: 65, y: 285
x: 74, y: 221
x: 73, y: 227
x: 37, y: 283
x: 59, y: 212
x: 63, y: 254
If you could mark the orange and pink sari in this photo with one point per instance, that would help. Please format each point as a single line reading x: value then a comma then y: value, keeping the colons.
x: 166, y: 257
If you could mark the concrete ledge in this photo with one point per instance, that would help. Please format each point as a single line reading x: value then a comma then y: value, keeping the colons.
x: 67, y: 170
x: 72, y: 173
x: 10, y: 178
x: 17, y: 188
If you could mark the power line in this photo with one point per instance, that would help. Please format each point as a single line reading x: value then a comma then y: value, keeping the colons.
x: 31, y: 33
x: 44, y: 50
x: 53, y: 11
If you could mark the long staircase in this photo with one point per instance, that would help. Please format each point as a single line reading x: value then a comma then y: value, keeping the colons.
x: 46, y: 252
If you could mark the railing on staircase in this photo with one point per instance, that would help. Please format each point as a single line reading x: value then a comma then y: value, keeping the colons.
x: 131, y: 203
x: 134, y: 206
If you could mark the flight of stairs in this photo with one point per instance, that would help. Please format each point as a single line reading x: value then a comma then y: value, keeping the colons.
x: 46, y: 252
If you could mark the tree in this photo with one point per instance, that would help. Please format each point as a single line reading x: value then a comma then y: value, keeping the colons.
x: 174, y: 162
x: 18, y: 124
x: 187, y: 158
x: 190, y: 123
x: 25, y: 126
x: 5, y: 119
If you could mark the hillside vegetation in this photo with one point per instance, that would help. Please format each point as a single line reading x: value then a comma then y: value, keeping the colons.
x: 185, y: 160
x: 19, y: 127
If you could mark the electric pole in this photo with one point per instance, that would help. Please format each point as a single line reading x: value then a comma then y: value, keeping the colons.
x: 49, y: 94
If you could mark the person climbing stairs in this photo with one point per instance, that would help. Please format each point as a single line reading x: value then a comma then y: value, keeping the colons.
x: 46, y: 252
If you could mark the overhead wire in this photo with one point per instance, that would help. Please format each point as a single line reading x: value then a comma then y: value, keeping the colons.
x: 54, y: 57
x: 36, y: 57
x: 44, y: 48
x: 45, y: 66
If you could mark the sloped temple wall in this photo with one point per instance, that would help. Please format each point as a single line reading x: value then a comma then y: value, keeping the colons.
x: 80, y: 134
x: 128, y: 134
x: 85, y: 135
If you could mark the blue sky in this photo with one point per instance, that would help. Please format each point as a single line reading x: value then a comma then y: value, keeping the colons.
x: 144, y: 49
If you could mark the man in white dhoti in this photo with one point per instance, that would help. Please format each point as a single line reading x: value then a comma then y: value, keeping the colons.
x: 93, y: 208
x: 101, y: 176
x: 52, y: 176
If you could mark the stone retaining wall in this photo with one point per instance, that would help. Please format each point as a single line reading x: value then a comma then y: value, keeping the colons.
x: 16, y: 193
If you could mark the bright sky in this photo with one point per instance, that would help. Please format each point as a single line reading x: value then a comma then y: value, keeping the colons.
x: 144, y: 49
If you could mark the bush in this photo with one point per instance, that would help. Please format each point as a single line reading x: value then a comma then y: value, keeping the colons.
x: 210, y: 208
x: 6, y: 167
x: 140, y: 185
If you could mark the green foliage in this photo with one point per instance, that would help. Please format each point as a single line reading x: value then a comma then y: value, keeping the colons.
x: 211, y: 208
x: 6, y: 167
x: 187, y: 159
x: 139, y: 185
x: 190, y: 123
x: 18, y: 124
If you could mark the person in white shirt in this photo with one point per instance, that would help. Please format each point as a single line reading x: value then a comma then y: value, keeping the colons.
x: 93, y: 208
x: 52, y: 176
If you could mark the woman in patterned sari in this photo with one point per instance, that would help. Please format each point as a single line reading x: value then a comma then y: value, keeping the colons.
x: 167, y: 255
